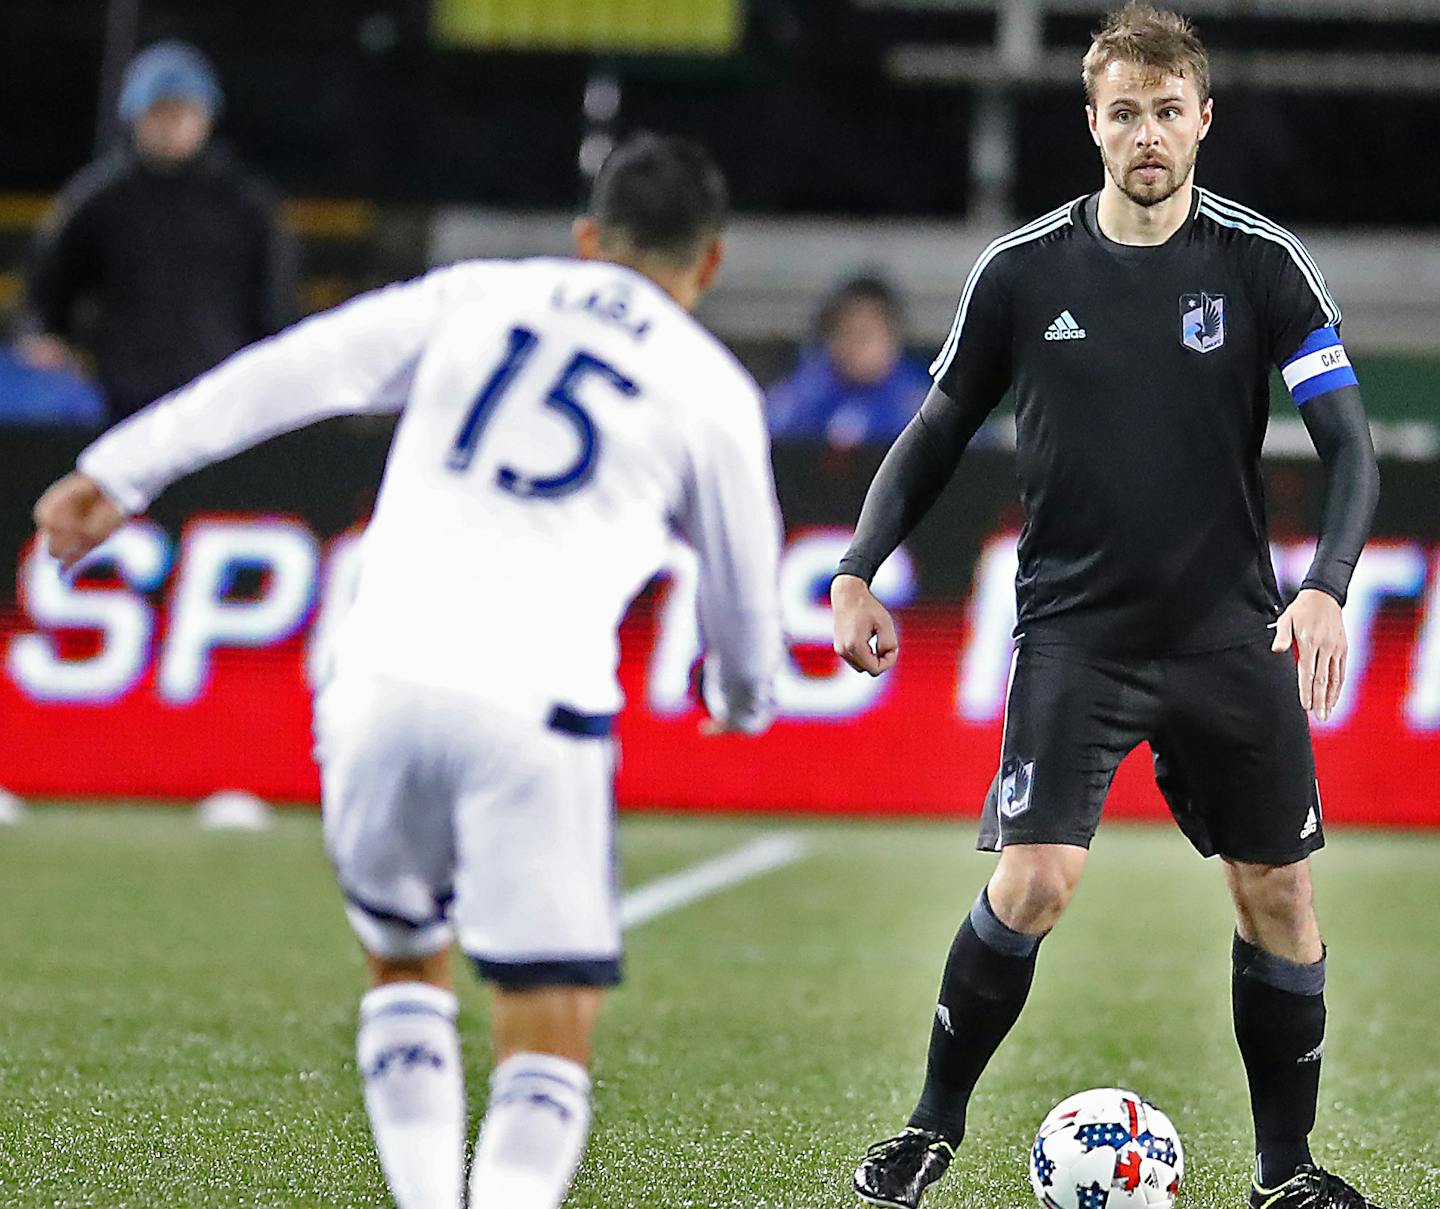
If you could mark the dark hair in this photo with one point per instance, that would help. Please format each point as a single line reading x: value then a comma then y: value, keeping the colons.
x: 865, y: 288
x: 661, y: 195
x: 1162, y: 42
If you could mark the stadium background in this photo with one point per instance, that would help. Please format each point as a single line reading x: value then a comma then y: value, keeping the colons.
x: 895, y: 135
x: 177, y: 1006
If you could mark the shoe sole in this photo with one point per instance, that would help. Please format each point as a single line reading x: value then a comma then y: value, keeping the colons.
x: 870, y: 1200
x: 883, y: 1204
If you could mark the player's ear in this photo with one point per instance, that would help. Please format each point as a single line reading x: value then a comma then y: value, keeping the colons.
x: 1090, y: 121
x: 587, y: 237
x: 710, y: 261
x: 1207, y: 114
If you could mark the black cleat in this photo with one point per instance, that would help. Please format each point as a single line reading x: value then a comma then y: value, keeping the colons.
x: 1309, y: 1188
x: 895, y: 1173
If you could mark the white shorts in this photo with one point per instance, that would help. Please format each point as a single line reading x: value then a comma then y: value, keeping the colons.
x: 446, y: 816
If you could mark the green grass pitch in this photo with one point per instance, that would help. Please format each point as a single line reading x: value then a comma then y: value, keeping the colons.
x: 177, y: 1013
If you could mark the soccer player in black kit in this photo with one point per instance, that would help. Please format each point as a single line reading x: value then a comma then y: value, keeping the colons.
x: 1138, y: 328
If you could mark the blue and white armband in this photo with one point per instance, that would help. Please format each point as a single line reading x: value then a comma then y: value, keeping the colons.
x: 1319, y: 365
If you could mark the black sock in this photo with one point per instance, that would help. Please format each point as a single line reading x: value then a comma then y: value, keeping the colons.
x: 1280, y: 1025
x: 987, y: 979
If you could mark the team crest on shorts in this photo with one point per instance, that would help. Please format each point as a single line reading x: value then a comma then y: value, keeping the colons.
x: 1202, y: 321
x: 1017, y: 778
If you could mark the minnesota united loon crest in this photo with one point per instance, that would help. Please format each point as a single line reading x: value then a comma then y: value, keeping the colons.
x: 1202, y: 321
x: 1017, y: 778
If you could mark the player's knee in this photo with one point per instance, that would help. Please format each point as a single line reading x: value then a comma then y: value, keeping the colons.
x: 433, y: 968
x: 1047, y: 895
x: 549, y: 1020
x: 1276, y: 894
x: 1032, y: 889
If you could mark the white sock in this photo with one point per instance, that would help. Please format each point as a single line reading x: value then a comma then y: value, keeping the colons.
x: 533, y: 1134
x: 409, y: 1057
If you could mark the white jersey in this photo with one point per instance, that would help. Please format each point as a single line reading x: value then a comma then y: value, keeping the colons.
x: 561, y: 419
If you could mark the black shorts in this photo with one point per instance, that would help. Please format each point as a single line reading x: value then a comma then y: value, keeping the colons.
x: 1230, y: 742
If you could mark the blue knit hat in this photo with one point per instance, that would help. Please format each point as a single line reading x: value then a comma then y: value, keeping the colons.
x: 168, y: 71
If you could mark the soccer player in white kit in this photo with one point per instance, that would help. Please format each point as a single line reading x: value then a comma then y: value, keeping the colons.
x: 560, y: 420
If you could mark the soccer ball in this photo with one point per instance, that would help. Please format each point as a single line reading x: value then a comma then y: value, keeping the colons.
x: 1106, y: 1149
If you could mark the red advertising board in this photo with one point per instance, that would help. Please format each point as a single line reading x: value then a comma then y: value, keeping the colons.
x: 181, y: 666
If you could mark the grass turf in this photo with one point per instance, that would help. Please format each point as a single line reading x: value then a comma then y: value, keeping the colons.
x: 177, y: 1012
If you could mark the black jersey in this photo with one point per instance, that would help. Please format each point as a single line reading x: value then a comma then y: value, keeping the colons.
x: 1141, y: 378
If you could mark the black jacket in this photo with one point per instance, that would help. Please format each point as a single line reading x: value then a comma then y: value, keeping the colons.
x: 160, y: 274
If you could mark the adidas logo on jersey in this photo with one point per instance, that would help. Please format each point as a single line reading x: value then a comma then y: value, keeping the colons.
x: 1065, y: 328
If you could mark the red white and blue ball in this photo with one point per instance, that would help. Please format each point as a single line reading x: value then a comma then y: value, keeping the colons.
x: 1106, y: 1149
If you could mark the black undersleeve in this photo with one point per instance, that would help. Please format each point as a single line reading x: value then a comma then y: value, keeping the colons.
x: 910, y: 479
x: 1337, y: 425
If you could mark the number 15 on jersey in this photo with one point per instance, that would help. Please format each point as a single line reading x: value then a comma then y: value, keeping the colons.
x: 521, y: 345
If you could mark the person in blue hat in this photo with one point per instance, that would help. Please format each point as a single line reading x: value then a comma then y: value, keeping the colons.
x: 164, y: 256
x: 169, y: 101
x: 856, y: 385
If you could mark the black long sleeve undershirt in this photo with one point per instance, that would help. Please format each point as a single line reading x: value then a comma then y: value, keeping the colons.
x: 1337, y: 425
x: 910, y: 479
x: 925, y: 455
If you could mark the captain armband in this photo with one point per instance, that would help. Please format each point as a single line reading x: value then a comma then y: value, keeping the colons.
x: 1318, y: 366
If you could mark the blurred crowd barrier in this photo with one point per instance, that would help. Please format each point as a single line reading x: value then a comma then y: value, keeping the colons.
x: 1387, y: 282
x: 779, y: 271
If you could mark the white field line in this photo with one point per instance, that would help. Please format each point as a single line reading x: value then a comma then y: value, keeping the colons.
x: 666, y: 894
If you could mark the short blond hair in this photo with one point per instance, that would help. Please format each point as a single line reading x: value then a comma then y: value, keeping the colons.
x: 1160, y: 41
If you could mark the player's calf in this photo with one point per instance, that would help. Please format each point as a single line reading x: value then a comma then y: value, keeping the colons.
x: 534, y: 1132
x: 408, y: 1054
x: 986, y: 982
x: 1279, y: 1008
x: 538, y: 1119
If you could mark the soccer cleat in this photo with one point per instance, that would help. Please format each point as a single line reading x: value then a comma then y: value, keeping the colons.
x: 895, y: 1173
x: 1309, y: 1188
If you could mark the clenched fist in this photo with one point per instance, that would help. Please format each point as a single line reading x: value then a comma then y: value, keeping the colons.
x: 74, y: 516
x: 860, y: 619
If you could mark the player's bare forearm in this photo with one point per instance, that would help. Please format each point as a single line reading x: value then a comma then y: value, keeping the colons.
x: 860, y: 621
x: 74, y: 516
x: 1314, y: 625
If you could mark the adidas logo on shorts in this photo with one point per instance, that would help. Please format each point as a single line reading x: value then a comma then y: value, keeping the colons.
x: 1065, y: 328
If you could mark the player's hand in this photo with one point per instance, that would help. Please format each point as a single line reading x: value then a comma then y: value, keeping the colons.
x: 1314, y: 624
x: 859, y: 619
x: 749, y: 726
x: 73, y: 517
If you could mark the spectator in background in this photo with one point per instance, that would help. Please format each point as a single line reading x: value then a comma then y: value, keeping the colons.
x: 856, y: 385
x: 46, y: 398
x: 163, y: 257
